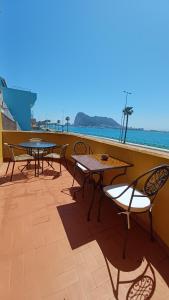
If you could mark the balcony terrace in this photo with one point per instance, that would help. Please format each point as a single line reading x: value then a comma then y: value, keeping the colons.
x: 48, y: 249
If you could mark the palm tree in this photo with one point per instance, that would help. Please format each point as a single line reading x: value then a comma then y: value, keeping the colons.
x: 67, y: 122
x: 58, y: 122
x: 127, y: 112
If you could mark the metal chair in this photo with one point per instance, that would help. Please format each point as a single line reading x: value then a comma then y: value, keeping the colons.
x: 61, y: 157
x: 81, y: 148
x: 130, y: 199
x: 17, y: 158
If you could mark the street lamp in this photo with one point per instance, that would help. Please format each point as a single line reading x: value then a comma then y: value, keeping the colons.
x: 123, y: 115
x: 127, y: 93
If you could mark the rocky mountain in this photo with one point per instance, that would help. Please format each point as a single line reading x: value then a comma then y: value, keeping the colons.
x: 82, y: 119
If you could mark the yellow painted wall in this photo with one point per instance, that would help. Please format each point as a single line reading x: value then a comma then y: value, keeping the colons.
x: 1, y: 155
x: 142, y: 159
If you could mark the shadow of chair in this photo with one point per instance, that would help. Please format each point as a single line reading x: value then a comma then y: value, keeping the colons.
x: 141, y: 287
x: 141, y: 279
x: 139, y: 273
x: 57, y: 157
x: 17, y: 158
x: 130, y: 199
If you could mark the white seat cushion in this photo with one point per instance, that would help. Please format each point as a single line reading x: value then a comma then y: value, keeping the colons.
x: 23, y: 157
x: 52, y: 156
x: 36, y: 152
x: 81, y: 167
x: 139, y: 204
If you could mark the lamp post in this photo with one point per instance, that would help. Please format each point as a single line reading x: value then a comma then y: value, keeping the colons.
x: 127, y: 93
x: 58, y: 123
x: 123, y: 115
x: 67, y: 122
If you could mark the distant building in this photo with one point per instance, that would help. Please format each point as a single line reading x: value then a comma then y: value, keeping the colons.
x: 17, y: 104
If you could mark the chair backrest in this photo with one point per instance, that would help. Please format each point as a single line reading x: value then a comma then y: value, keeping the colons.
x: 63, y: 150
x: 10, y: 148
x: 81, y: 148
x: 154, y: 179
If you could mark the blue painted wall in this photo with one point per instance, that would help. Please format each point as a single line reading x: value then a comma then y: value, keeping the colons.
x: 19, y: 103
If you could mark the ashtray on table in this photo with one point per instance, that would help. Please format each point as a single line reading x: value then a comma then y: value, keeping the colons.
x: 104, y: 156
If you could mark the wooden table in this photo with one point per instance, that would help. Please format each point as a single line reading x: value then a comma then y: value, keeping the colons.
x: 96, y: 165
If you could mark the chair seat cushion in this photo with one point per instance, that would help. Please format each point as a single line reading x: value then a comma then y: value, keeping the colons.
x: 139, y: 204
x: 81, y: 167
x: 52, y: 156
x: 41, y: 152
x: 23, y: 157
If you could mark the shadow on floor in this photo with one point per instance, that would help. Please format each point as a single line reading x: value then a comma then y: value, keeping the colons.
x: 29, y: 172
x: 143, y: 256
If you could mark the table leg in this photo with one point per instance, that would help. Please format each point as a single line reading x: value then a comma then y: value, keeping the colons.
x: 96, y: 184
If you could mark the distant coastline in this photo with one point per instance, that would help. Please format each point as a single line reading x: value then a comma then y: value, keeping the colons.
x: 150, y: 138
x: 130, y: 128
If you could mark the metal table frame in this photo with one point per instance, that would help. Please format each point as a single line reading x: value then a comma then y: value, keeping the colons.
x: 38, y: 146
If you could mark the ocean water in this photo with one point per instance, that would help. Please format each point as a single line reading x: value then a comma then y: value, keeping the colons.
x: 158, y: 139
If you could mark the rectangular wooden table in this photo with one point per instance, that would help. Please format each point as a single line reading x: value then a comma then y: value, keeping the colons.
x: 96, y: 165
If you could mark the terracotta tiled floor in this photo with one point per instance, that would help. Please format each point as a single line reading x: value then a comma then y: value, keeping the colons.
x: 48, y: 251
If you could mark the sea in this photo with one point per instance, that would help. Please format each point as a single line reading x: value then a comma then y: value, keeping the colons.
x: 150, y: 138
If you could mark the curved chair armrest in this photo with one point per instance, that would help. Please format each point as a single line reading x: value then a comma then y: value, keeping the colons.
x: 11, y: 148
x: 50, y: 150
x: 133, y: 183
x: 17, y: 147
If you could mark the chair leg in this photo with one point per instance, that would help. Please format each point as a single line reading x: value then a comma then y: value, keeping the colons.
x: 7, y: 167
x: 100, y: 205
x: 125, y: 243
x: 126, y: 236
x: 50, y: 164
x: 92, y: 202
x: 66, y: 163
x: 38, y: 163
x: 74, y: 175
x: 60, y: 168
x: 83, y: 186
x: 42, y: 165
x: 151, y: 225
x: 12, y: 170
x: 28, y: 163
x: 35, y: 165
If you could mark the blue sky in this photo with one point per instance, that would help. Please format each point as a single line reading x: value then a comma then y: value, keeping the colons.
x: 80, y: 55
